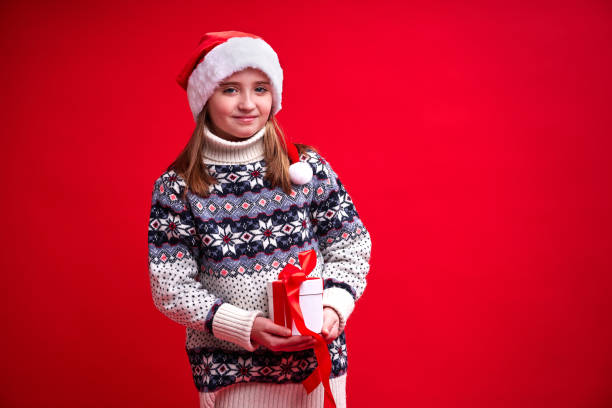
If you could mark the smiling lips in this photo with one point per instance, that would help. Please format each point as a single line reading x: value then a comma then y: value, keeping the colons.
x: 245, y: 119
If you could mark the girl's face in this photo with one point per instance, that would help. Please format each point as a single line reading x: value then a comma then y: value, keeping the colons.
x: 241, y: 105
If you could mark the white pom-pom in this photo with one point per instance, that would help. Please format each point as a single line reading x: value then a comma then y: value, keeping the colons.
x: 300, y: 173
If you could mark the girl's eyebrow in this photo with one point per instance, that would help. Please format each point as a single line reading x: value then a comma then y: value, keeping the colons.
x: 238, y: 83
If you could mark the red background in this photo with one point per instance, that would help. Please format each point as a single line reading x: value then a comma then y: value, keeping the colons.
x: 474, y: 139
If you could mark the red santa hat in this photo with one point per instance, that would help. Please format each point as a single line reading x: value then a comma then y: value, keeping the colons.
x: 219, y: 55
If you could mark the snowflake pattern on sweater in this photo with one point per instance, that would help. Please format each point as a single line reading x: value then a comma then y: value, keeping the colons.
x: 216, y: 368
x: 204, y: 252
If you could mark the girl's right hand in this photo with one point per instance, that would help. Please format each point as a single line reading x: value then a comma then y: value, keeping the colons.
x: 278, y: 338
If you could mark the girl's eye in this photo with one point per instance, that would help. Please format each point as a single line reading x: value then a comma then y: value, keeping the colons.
x: 229, y: 90
x: 260, y: 89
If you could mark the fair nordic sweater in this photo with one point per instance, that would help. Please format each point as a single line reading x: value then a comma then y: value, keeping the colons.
x: 210, y: 259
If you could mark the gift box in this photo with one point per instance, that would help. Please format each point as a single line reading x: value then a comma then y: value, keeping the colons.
x: 311, y: 304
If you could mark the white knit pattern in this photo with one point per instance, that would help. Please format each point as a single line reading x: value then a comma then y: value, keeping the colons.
x: 221, y: 151
x: 262, y: 395
x: 234, y: 325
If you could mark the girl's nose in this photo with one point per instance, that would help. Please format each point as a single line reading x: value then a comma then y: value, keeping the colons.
x: 246, y: 101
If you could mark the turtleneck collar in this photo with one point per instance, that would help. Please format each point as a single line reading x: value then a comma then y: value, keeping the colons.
x: 221, y: 151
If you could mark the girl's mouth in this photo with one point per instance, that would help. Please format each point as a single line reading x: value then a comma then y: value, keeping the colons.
x: 245, y: 119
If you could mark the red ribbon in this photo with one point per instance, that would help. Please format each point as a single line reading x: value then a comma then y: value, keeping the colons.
x: 292, y: 278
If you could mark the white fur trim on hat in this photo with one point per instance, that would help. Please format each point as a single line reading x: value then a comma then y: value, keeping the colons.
x: 235, y: 54
x: 300, y: 173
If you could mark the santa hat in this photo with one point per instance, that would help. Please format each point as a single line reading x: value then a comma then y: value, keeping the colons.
x: 219, y: 55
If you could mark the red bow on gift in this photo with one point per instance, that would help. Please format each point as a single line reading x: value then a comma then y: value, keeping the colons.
x: 292, y: 277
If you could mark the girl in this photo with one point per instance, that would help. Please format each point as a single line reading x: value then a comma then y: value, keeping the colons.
x: 229, y: 213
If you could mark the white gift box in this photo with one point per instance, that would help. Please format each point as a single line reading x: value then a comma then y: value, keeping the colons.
x: 311, y: 303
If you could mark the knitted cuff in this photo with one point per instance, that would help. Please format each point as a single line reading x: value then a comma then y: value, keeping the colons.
x: 234, y: 325
x: 341, y: 301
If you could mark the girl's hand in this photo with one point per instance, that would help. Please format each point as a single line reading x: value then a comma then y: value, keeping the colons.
x: 331, y: 321
x: 278, y: 338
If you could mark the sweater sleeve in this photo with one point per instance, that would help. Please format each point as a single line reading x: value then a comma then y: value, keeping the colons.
x: 343, y: 240
x: 174, y: 249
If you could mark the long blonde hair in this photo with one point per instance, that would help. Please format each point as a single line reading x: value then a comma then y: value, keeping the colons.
x: 190, y: 165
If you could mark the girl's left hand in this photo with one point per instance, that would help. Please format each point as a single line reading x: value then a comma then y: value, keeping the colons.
x: 331, y: 321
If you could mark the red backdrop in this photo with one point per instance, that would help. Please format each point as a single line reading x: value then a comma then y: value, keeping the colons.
x: 474, y: 139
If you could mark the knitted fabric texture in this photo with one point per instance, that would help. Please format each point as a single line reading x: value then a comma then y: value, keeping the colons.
x: 269, y: 395
x: 210, y: 259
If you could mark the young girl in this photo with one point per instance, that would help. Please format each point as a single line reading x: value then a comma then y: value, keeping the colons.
x: 237, y: 205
